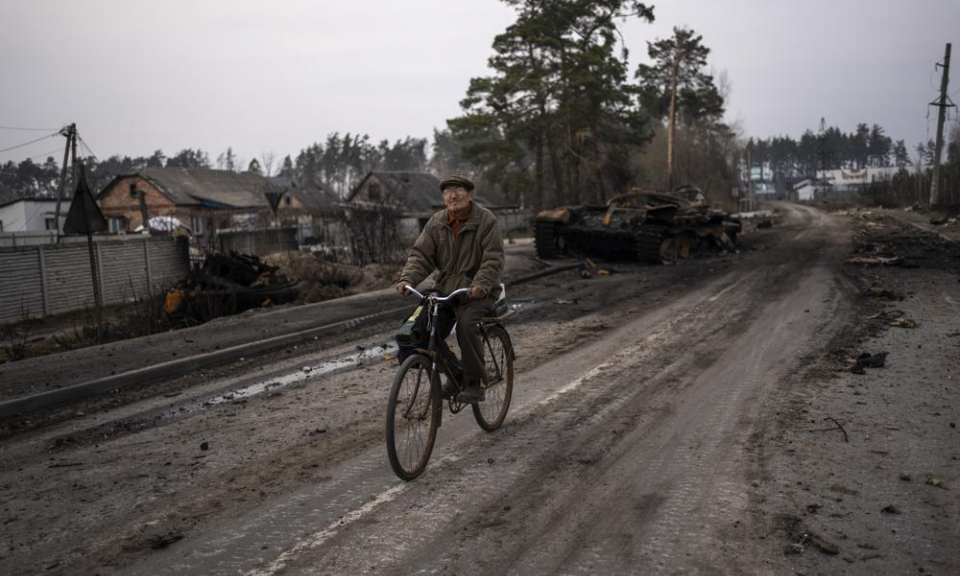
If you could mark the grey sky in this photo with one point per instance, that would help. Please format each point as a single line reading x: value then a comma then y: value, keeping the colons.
x: 138, y: 76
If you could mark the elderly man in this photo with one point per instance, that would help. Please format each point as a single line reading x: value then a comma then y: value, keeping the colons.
x: 465, y: 244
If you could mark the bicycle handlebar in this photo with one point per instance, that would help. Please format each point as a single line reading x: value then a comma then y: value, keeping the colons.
x: 434, y: 296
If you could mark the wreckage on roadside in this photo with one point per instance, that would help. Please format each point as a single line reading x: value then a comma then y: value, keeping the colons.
x: 226, y: 284
x: 641, y: 224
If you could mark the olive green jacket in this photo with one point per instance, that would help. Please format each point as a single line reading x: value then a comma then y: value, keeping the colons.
x: 473, y: 258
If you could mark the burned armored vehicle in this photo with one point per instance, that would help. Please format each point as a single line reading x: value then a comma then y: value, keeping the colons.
x: 641, y: 224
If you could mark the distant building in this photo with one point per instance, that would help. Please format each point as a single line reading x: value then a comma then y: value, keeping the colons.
x: 206, y: 200
x: 37, y: 215
x: 313, y: 209
x: 805, y: 190
x: 847, y: 179
x: 416, y: 195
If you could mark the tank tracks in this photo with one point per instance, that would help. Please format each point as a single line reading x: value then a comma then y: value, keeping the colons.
x: 649, y: 241
x: 545, y: 240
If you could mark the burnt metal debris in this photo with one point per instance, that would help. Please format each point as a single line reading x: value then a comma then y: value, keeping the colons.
x: 226, y: 284
x: 641, y: 224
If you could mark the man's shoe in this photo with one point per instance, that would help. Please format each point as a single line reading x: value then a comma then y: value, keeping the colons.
x: 471, y: 395
x: 448, y: 389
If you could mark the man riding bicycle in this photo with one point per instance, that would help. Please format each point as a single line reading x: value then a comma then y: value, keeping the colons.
x: 464, y: 242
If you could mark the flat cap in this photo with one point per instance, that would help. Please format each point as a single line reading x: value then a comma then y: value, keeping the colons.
x: 456, y: 180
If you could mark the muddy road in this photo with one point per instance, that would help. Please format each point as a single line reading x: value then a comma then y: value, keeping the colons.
x: 648, y: 434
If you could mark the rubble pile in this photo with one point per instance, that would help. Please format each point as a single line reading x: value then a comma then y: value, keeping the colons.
x: 225, y: 284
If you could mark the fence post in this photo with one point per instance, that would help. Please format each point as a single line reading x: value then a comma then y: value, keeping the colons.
x: 100, y: 278
x: 44, y: 292
x: 146, y: 257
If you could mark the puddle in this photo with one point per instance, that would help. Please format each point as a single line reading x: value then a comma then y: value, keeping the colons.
x: 327, y: 367
x: 184, y: 408
x: 525, y: 306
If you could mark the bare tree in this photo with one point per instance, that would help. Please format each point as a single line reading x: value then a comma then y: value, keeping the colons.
x: 266, y: 162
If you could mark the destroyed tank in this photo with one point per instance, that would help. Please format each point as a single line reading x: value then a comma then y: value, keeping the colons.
x: 641, y: 224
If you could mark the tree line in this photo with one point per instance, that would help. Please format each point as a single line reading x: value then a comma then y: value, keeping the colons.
x: 561, y: 118
x: 336, y: 163
x: 831, y: 148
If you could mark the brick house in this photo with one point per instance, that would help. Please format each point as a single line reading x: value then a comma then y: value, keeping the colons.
x: 203, y: 199
x: 313, y: 209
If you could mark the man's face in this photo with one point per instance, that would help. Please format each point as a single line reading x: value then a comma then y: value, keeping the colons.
x: 457, y: 198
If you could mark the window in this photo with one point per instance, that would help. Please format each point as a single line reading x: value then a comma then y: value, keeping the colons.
x: 198, y: 223
x: 133, y: 189
x: 117, y: 224
x: 50, y: 222
x: 286, y: 200
x: 373, y: 192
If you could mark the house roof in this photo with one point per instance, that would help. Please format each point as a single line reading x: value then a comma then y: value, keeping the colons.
x: 314, y: 196
x: 207, y: 187
x: 7, y: 198
x: 414, y: 191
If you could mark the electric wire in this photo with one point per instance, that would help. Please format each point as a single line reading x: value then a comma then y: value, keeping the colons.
x: 30, y: 142
x: 86, y: 147
x: 46, y: 153
x: 27, y: 129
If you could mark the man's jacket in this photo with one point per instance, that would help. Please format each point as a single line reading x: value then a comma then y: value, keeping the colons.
x: 474, y: 257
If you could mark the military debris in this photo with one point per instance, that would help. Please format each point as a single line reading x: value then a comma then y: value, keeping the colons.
x: 903, y: 323
x: 644, y: 225
x: 891, y: 509
x: 227, y: 284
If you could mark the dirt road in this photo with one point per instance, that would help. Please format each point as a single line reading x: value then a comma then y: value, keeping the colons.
x: 666, y: 420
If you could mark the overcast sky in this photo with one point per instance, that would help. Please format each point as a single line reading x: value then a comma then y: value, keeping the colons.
x: 137, y: 76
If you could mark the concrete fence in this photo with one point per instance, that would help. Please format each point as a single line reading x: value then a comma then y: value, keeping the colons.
x: 39, y: 281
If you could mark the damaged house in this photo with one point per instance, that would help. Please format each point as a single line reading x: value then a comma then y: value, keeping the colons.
x: 314, y: 210
x: 416, y: 197
x: 202, y: 199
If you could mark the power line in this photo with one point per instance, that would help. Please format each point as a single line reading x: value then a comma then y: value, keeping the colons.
x: 27, y: 129
x: 30, y: 142
x: 45, y: 153
x: 87, y: 148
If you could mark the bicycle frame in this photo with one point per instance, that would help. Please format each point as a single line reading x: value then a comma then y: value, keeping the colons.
x: 433, y: 349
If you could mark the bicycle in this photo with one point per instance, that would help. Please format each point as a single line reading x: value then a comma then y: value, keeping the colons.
x: 414, y: 408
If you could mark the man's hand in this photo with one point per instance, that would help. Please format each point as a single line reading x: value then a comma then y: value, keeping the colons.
x: 401, y: 287
x: 476, y: 293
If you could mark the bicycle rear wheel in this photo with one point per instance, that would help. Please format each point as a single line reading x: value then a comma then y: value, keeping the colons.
x: 413, y: 416
x: 498, y: 362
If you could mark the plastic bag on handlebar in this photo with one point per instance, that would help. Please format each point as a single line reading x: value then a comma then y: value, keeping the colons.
x: 414, y: 332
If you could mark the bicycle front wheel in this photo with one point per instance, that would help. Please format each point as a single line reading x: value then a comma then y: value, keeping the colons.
x: 413, y: 416
x: 498, y: 362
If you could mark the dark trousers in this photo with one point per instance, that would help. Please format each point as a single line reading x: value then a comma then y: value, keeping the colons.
x: 467, y: 314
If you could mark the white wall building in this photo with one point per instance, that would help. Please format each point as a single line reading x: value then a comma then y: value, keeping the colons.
x: 31, y: 215
x: 850, y: 179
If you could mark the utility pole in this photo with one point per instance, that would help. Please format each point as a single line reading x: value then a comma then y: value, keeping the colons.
x: 823, y: 156
x: 71, y: 134
x: 943, y: 103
